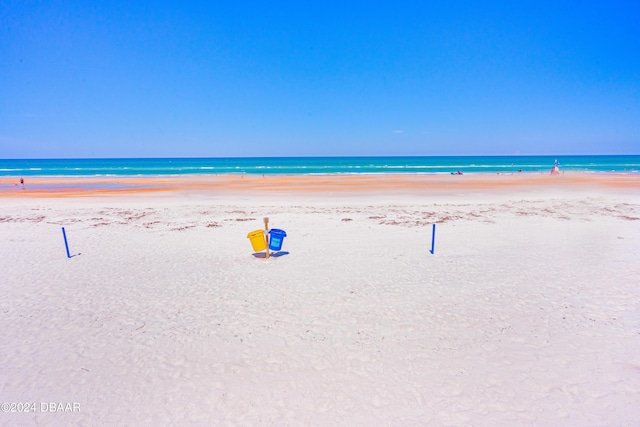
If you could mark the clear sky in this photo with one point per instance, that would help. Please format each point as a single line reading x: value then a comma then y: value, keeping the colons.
x: 272, y: 78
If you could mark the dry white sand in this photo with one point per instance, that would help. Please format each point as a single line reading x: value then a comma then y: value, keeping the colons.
x: 528, y: 313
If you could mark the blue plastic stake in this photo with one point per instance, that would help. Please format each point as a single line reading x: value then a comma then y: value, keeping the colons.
x: 433, y: 238
x: 66, y: 245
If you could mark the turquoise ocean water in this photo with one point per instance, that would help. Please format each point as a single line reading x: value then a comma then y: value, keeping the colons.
x: 315, y: 165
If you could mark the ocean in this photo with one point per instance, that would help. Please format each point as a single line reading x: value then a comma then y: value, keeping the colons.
x: 316, y: 165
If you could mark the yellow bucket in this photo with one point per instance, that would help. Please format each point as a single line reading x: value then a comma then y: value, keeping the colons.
x: 257, y: 240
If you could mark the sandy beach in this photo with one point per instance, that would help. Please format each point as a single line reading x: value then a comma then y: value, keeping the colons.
x: 407, y: 184
x: 527, y: 313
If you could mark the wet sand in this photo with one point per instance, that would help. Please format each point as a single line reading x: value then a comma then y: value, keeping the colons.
x: 320, y: 184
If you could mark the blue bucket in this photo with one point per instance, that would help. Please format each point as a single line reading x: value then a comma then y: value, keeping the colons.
x: 276, y: 237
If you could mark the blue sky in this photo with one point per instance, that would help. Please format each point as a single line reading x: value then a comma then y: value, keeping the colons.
x: 217, y: 79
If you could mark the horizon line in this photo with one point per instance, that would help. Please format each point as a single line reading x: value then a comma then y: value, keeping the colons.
x: 316, y: 156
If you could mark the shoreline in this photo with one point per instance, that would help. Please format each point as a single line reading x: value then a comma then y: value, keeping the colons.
x: 70, y: 186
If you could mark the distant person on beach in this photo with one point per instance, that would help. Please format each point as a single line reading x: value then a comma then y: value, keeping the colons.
x: 22, y: 182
